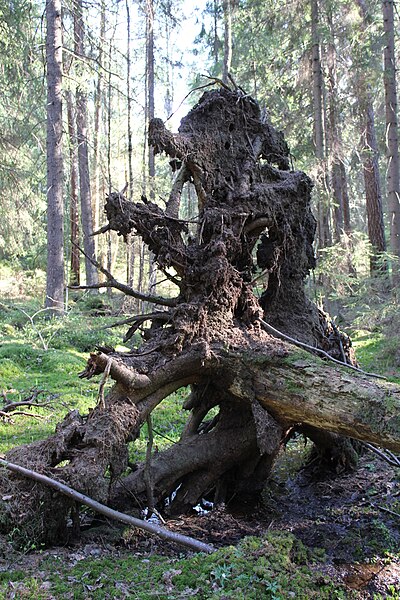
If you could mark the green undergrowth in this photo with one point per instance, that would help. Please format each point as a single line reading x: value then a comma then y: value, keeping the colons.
x: 276, y: 566
x: 376, y: 352
x: 43, y: 357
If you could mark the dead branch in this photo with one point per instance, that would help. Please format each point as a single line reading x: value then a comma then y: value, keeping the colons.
x: 391, y: 512
x: 122, y: 287
x: 174, y: 199
x: 162, y: 532
x: 10, y: 409
x: 102, y: 229
x: 309, y: 348
x: 157, y: 315
x: 148, y: 471
x: 103, y: 382
x: 7, y: 416
x: 387, y: 456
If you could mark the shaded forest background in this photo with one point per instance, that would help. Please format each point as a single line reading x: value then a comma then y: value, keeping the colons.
x: 318, y: 69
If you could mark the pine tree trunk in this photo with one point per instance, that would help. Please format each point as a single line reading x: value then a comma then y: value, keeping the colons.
x: 338, y: 171
x: 129, y: 100
x: 74, y: 277
x: 150, y: 115
x: 97, y: 125
x: 393, y: 168
x: 369, y: 157
x: 55, y: 203
x: 373, y: 195
x: 83, y: 155
x: 150, y: 85
x: 324, y: 234
x: 130, y: 246
x: 227, y: 7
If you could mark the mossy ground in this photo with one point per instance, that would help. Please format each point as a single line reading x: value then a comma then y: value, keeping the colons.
x: 274, y: 566
x: 37, y: 353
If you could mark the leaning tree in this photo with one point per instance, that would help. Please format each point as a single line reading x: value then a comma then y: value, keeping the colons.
x: 251, y: 359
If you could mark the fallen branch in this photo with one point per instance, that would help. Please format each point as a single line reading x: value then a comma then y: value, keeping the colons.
x: 287, y: 338
x: 162, y: 532
x: 11, y: 409
x: 148, y: 473
x: 391, y: 512
x: 7, y: 416
x: 387, y: 456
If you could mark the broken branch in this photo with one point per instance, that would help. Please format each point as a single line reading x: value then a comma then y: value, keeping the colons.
x: 123, y: 375
x: 122, y: 287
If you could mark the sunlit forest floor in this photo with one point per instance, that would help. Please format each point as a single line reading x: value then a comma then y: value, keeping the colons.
x: 310, y: 536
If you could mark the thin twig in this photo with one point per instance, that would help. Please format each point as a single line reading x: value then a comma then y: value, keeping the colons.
x: 384, y: 455
x: 287, y: 338
x: 109, y: 512
x: 391, y: 512
x: 122, y: 287
x: 200, y: 87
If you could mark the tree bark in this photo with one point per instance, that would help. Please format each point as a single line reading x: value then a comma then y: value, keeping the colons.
x: 324, y: 234
x: 98, y: 103
x: 392, y: 141
x: 338, y: 171
x: 228, y: 9
x: 55, y: 204
x: 83, y: 155
x: 369, y: 157
x: 150, y: 86
x: 74, y: 277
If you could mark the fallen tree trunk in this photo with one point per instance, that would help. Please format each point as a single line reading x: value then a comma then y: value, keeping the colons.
x: 307, y: 390
x: 254, y: 227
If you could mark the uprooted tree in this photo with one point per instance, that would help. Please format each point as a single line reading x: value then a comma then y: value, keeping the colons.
x: 216, y: 338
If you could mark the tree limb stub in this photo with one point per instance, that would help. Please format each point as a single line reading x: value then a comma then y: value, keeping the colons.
x: 130, y: 379
x: 161, y: 532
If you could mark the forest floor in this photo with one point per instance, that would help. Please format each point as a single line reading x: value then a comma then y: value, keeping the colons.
x: 309, y: 536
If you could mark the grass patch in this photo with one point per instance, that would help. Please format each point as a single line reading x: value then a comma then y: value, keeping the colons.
x: 377, y: 353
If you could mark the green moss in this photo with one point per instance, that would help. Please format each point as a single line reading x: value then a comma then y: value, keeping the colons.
x: 273, y: 566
